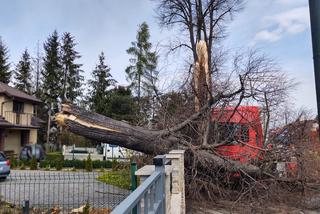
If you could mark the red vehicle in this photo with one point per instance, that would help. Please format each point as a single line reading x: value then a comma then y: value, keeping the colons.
x: 240, y: 130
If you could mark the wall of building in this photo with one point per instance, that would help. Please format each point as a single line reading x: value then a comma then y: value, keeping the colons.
x: 12, y: 141
x: 33, y: 136
x: 7, y: 111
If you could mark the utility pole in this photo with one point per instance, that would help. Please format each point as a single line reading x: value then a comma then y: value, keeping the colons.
x: 49, y: 123
x: 314, y: 6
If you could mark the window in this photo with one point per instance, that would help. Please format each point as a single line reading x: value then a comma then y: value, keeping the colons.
x: 17, y: 107
x: 231, y: 132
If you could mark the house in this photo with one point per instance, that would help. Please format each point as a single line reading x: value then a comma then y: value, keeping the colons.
x: 18, y: 122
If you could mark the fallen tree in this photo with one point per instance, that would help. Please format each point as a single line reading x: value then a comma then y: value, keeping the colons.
x: 100, y: 128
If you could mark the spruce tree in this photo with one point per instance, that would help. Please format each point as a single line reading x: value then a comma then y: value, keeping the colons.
x: 102, y: 80
x: 142, y: 73
x: 5, y: 73
x: 71, y: 70
x: 120, y: 105
x: 37, y: 65
x: 52, y: 73
x: 23, y: 71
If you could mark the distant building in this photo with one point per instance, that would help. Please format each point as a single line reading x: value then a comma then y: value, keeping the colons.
x: 18, y: 122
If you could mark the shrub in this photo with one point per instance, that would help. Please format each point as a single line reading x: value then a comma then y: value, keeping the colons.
x: 22, y: 166
x: 119, y: 178
x: 97, y: 164
x: 44, y: 164
x: 59, y: 163
x: 77, y: 164
x: 53, y: 156
x: 33, y: 163
x: 88, y: 164
x: 13, y: 162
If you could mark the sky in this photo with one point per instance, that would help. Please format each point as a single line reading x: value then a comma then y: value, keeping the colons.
x: 279, y: 28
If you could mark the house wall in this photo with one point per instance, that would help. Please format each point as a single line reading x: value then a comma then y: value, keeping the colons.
x: 12, y: 141
x: 7, y: 111
x: 8, y: 105
x: 33, y: 136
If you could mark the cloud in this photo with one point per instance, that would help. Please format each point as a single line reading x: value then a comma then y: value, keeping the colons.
x: 289, y: 22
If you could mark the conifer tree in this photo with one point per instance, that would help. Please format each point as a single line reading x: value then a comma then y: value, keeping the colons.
x: 102, y: 80
x: 5, y: 73
x: 37, y: 65
x: 142, y: 73
x: 52, y: 73
x: 23, y: 71
x: 71, y: 70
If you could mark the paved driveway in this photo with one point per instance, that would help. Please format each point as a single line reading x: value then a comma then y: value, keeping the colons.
x: 46, y: 189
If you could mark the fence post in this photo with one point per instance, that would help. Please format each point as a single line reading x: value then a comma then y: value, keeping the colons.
x: 178, y: 185
x: 25, y: 207
x: 134, y: 182
x: 159, y: 162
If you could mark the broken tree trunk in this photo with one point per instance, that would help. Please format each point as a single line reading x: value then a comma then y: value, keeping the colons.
x: 100, y: 128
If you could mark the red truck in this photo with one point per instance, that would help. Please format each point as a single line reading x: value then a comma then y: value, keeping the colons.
x: 240, y: 131
x: 240, y: 128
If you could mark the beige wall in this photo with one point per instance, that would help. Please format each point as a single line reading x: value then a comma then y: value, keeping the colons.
x: 28, y: 108
x: 25, y: 119
x: 33, y: 136
x: 8, y: 105
x: 13, y: 137
x: 12, y: 141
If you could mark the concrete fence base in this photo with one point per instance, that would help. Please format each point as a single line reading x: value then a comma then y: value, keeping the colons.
x: 174, y: 181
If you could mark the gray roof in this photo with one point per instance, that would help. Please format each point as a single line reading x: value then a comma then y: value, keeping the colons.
x: 17, y: 94
x: 4, y: 123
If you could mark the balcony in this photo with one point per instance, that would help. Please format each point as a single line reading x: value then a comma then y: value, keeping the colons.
x: 19, y: 119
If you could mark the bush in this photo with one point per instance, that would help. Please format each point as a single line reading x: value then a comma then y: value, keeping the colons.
x: 97, y: 164
x: 33, y: 163
x: 59, y: 164
x: 53, y: 156
x: 88, y: 164
x: 119, y: 178
x: 22, y: 166
x: 77, y: 164
x: 13, y: 162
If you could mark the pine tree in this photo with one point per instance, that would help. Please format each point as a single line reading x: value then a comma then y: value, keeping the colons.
x: 72, y: 72
x: 52, y: 71
x: 102, y: 80
x: 5, y: 73
x: 142, y: 72
x: 120, y: 105
x: 23, y: 71
x: 37, y: 64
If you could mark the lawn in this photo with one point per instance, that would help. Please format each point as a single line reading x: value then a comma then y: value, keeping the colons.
x: 119, y: 178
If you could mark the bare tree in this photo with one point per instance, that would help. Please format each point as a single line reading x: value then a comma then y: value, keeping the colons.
x: 198, y: 20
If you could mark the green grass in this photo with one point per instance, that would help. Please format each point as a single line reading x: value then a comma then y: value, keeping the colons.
x: 119, y: 178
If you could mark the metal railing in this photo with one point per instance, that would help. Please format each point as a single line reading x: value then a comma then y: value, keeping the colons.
x: 23, y: 119
x: 149, y: 197
x: 44, y: 191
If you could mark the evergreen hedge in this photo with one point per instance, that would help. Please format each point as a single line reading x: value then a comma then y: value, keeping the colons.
x: 78, y: 164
